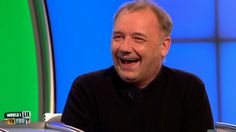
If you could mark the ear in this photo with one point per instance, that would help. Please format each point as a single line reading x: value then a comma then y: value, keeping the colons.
x: 165, y: 46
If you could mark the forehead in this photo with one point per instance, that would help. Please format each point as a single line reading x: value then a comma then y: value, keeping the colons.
x: 142, y: 19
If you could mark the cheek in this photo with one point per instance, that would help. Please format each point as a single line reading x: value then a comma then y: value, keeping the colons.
x: 150, y: 50
x: 151, y: 54
x: 156, y: 50
x: 114, y: 48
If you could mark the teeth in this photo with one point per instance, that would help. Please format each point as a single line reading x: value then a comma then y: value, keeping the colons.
x: 129, y: 59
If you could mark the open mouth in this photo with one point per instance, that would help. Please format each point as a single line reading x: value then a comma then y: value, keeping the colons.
x: 128, y: 60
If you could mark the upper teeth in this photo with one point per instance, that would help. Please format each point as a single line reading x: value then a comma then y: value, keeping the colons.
x: 128, y: 59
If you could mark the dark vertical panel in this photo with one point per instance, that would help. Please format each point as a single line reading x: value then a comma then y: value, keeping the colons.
x: 218, y: 66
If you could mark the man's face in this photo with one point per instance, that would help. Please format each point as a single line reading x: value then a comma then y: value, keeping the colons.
x: 137, y: 46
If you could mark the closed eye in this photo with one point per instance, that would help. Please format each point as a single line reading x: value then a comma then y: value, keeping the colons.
x: 118, y: 36
x: 139, y: 37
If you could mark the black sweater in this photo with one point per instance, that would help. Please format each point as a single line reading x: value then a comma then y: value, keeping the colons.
x: 175, y: 101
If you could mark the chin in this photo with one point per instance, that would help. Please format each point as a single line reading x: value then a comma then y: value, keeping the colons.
x: 128, y: 78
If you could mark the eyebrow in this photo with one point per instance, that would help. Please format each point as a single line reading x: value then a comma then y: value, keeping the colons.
x: 133, y: 34
x: 117, y: 32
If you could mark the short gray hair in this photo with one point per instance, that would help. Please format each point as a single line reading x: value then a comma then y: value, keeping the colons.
x: 162, y: 16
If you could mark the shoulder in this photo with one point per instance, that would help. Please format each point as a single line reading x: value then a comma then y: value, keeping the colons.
x: 184, y: 77
x: 96, y: 81
x: 100, y: 75
x: 185, y: 83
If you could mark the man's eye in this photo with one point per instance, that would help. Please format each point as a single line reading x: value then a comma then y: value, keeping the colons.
x: 118, y: 37
x: 139, y: 39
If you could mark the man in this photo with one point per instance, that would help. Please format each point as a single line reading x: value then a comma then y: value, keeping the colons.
x: 138, y: 93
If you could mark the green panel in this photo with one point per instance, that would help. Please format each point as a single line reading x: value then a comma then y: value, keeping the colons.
x: 18, y: 64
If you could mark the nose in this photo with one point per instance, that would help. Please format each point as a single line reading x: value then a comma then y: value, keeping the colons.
x: 126, y: 46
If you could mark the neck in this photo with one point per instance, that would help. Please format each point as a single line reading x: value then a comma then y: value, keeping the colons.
x: 145, y: 83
